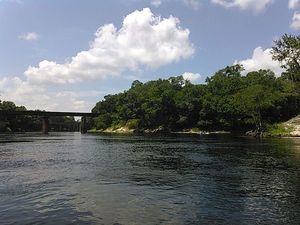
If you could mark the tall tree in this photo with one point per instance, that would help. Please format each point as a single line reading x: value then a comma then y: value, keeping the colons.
x: 260, y: 94
x: 287, y: 51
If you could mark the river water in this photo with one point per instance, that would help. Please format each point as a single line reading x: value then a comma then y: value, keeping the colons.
x: 69, y: 178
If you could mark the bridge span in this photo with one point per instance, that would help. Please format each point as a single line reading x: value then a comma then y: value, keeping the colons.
x: 46, y: 114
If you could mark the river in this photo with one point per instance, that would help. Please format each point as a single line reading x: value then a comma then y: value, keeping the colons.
x: 69, y: 178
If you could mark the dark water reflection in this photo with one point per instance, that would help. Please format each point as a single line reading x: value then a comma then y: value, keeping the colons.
x: 69, y: 178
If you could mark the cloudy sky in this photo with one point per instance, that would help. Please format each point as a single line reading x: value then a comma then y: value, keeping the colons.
x: 66, y: 55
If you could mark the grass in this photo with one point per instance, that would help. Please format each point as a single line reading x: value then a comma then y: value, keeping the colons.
x: 279, y: 130
x: 195, y: 129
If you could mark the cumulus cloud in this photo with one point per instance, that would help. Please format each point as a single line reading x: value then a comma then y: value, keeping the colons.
x: 29, y: 36
x: 23, y: 93
x: 156, y: 3
x: 144, y: 40
x: 40, y: 97
x: 192, y: 77
x: 256, y: 5
x: 293, y: 4
x: 261, y: 59
x: 296, y: 21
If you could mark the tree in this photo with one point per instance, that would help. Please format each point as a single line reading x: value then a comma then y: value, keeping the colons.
x: 228, y: 101
x: 252, y: 101
x: 218, y: 111
x: 103, y: 121
x: 261, y: 93
x: 287, y: 51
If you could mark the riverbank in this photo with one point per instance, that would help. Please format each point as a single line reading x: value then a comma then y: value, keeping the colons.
x: 126, y: 130
x: 290, y: 128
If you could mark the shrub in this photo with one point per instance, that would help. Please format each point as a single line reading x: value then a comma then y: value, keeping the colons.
x: 133, y: 123
x: 278, y: 130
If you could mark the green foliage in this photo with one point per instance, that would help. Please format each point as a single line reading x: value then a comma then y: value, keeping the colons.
x: 103, y: 121
x: 65, y: 123
x: 287, y: 51
x: 218, y: 108
x: 195, y: 129
x: 153, y: 103
x: 32, y: 123
x: 133, y: 124
x: 278, y: 130
x: 228, y: 100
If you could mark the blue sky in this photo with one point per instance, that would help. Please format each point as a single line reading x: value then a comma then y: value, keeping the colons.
x: 66, y: 55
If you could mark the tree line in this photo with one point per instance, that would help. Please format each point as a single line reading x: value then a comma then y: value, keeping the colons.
x: 229, y: 99
x: 32, y: 123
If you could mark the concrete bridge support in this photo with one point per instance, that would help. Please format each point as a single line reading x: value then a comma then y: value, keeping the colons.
x: 83, y: 128
x: 45, y: 125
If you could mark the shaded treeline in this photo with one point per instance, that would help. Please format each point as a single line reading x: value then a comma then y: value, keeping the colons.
x: 229, y: 100
x: 32, y: 123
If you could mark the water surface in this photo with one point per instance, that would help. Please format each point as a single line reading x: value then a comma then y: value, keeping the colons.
x: 69, y: 178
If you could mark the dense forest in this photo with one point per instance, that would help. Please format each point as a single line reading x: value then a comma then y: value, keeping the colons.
x: 229, y: 100
x: 32, y: 123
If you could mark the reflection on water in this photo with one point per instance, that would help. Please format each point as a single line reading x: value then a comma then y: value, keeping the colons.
x: 69, y: 178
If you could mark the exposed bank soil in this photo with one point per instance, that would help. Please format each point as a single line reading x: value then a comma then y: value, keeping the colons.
x: 294, y: 125
x: 201, y: 132
x: 126, y: 130
x: 121, y: 130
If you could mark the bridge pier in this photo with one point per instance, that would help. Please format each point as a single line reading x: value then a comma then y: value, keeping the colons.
x: 83, y: 128
x: 44, y: 115
x: 45, y: 125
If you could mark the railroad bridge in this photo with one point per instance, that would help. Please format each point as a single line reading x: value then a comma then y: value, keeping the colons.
x: 46, y: 114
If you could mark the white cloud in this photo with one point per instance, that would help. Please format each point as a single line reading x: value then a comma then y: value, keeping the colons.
x: 40, y: 97
x: 191, y: 76
x: 256, y: 5
x: 156, y: 3
x: 293, y: 4
x: 194, y: 4
x: 296, y: 21
x: 144, y: 40
x: 23, y: 93
x: 261, y: 59
x: 77, y: 94
x: 29, y: 36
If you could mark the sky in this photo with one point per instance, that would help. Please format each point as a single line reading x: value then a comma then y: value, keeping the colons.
x: 67, y: 55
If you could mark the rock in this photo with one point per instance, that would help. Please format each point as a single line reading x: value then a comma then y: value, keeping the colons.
x: 294, y: 125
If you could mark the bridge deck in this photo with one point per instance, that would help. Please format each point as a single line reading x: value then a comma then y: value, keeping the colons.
x: 46, y: 113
